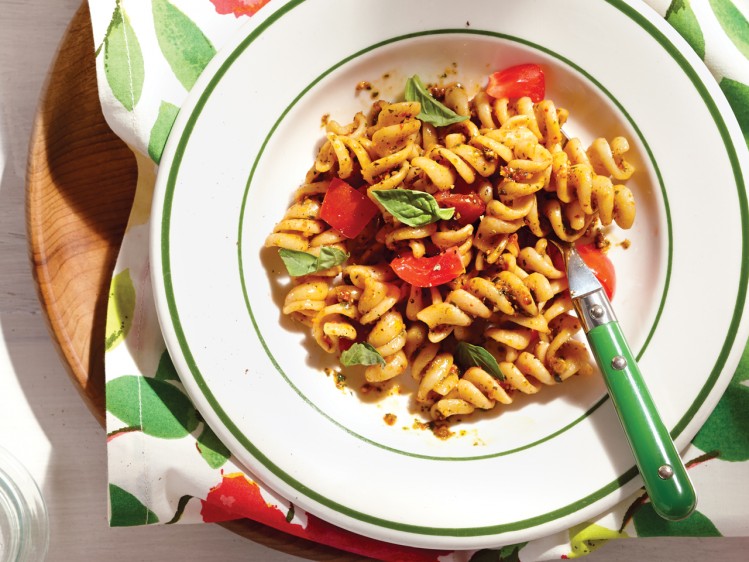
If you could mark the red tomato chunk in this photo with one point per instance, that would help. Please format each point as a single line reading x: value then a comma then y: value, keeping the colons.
x: 428, y: 271
x: 468, y: 206
x: 517, y: 82
x: 345, y: 209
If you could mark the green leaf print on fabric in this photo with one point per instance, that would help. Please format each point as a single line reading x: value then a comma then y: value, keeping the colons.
x: 127, y: 510
x: 160, y: 410
x: 120, y: 309
x: 180, y: 511
x: 123, y: 60
x: 510, y: 553
x: 485, y: 555
x: 727, y: 428
x: 166, y: 371
x: 738, y: 96
x: 649, y: 524
x: 182, y: 42
x: 161, y: 129
x: 682, y: 18
x: 211, y: 449
x: 733, y: 23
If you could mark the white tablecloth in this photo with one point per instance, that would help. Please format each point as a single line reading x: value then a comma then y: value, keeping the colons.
x: 43, y: 420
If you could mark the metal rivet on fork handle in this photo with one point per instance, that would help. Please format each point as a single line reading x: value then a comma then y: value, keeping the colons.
x: 665, y: 472
x: 619, y: 363
x: 596, y: 311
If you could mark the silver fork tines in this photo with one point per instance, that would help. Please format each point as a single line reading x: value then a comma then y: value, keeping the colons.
x: 581, y: 279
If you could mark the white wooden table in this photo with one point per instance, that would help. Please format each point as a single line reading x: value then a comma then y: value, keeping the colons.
x: 43, y: 420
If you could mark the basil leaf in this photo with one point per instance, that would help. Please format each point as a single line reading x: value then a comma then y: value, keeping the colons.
x: 432, y: 111
x: 362, y: 354
x: 414, y: 208
x: 330, y: 257
x: 302, y: 263
x: 469, y: 355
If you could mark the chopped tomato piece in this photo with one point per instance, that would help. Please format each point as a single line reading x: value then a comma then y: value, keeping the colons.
x: 601, y: 265
x: 468, y: 206
x: 518, y: 81
x: 345, y: 209
x: 428, y: 271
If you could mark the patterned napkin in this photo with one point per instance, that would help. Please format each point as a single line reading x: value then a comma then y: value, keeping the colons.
x: 167, y: 466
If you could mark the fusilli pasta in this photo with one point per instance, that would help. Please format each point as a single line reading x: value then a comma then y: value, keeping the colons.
x: 513, y: 180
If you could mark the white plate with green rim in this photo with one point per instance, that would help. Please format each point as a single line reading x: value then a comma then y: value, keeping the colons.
x: 244, y: 141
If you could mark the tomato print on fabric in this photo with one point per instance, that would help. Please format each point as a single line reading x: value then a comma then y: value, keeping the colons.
x: 238, y: 7
x: 235, y: 496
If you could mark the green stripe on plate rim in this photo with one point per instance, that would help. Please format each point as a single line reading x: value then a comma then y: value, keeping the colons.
x: 417, y: 529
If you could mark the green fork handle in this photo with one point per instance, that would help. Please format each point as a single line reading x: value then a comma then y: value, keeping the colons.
x: 662, y: 470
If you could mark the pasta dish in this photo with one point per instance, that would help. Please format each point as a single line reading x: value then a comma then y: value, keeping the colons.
x: 419, y: 241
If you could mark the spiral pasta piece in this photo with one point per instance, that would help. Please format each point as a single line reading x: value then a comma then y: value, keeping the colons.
x: 607, y: 158
x: 306, y: 300
x: 300, y: 223
x: 442, y: 317
x: 435, y: 372
x: 332, y: 323
x: 378, y: 295
x: 388, y: 337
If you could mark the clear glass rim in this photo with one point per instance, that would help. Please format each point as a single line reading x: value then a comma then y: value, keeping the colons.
x: 28, y: 520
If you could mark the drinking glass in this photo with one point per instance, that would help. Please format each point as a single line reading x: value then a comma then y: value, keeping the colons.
x: 24, y: 523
